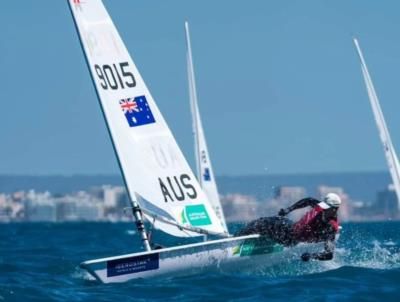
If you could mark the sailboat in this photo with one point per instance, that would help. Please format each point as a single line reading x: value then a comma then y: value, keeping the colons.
x: 390, y: 153
x: 161, y: 186
x: 205, y: 173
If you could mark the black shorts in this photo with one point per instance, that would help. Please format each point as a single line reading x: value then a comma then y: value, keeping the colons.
x: 279, y: 229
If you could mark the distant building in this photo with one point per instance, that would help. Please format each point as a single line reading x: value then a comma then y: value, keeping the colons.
x: 19, y: 196
x: 239, y: 207
x: 4, y: 214
x: 79, y: 207
x: 106, y: 203
x: 88, y: 211
x: 66, y: 209
x: 40, y: 211
x: 39, y: 207
x: 386, y: 204
x: 3, y: 200
x: 115, y: 197
x: 5, y: 209
x: 289, y: 195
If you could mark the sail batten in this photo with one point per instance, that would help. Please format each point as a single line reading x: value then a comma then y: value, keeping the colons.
x: 203, y: 163
x: 155, y: 171
x: 390, y: 153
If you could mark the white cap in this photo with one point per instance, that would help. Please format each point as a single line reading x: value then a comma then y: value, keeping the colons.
x: 332, y: 200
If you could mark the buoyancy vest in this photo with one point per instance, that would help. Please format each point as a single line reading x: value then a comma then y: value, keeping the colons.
x: 308, y: 228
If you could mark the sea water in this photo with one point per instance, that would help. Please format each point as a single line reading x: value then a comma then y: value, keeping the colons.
x: 39, y: 262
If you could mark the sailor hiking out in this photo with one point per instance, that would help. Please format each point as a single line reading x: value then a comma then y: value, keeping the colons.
x: 319, y: 224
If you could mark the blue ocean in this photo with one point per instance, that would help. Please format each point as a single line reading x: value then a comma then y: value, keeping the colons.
x: 39, y: 262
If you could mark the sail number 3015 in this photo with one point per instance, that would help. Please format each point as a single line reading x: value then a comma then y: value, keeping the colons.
x: 115, y: 76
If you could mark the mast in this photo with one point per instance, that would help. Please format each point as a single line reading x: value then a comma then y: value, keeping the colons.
x: 391, y: 157
x: 205, y: 173
x: 193, y: 101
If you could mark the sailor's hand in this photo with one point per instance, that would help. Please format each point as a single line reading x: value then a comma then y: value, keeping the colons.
x: 306, y: 257
x: 283, y: 212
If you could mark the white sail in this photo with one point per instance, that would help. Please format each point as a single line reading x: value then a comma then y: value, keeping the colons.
x: 154, y: 169
x: 205, y: 173
x: 390, y: 153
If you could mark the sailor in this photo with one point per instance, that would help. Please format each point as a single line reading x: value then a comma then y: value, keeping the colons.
x: 319, y: 224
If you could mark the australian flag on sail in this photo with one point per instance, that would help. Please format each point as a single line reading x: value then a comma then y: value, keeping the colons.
x: 137, y: 111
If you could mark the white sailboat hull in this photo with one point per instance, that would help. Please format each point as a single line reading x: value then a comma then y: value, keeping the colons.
x: 232, y: 254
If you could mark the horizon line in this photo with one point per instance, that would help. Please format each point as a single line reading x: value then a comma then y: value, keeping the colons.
x: 220, y: 175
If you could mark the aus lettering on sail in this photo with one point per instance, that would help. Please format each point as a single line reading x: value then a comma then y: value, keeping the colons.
x: 177, y: 188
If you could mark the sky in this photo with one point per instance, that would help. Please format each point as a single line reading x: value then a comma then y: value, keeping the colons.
x: 279, y: 83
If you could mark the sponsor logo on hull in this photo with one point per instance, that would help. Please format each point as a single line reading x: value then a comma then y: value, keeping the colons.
x: 257, y: 247
x: 132, y: 265
x: 195, y: 215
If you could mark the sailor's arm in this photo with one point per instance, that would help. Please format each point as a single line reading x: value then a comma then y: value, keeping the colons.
x: 327, y: 254
x: 302, y: 203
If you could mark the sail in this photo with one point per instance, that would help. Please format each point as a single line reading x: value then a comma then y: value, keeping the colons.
x: 390, y: 153
x: 155, y: 171
x: 203, y: 162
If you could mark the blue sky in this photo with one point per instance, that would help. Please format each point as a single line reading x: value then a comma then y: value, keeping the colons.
x: 279, y: 83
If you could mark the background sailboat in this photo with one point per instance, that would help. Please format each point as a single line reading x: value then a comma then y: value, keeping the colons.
x: 391, y: 157
x: 205, y: 173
